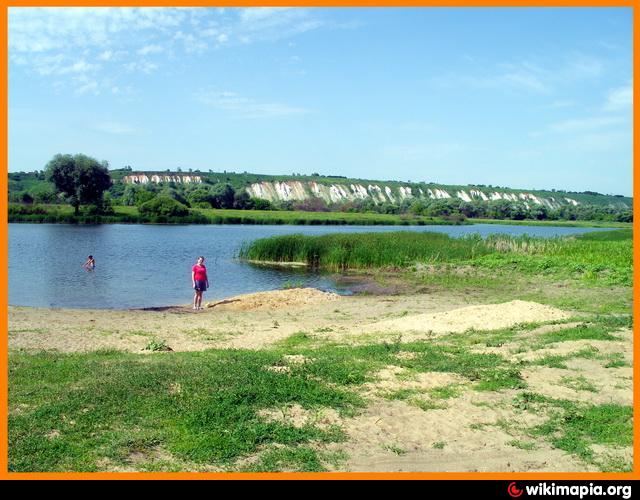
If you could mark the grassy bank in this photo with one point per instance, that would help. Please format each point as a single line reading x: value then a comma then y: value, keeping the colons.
x: 128, y: 215
x: 556, y: 223
x: 63, y: 214
x: 603, y: 257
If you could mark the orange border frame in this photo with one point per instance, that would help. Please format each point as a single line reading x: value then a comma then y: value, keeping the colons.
x: 523, y: 476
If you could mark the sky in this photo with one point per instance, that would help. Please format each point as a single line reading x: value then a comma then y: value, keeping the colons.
x: 528, y: 98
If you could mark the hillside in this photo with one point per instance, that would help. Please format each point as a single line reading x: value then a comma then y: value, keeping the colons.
x: 338, y: 190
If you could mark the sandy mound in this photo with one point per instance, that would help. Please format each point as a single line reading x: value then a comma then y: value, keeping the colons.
x: 275, y: 299
x: 485, y: 317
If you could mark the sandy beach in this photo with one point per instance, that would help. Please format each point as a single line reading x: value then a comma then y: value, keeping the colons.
x: 470, y: 431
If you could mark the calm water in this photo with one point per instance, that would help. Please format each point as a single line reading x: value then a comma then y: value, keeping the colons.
x: 147, y: 266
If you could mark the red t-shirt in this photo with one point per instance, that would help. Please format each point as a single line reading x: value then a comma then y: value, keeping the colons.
x: 200, y: 273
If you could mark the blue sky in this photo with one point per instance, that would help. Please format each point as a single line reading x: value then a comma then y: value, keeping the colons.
x: 522, y: 97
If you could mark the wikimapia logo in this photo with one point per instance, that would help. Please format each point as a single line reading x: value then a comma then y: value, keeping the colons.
x: 514, y: 491
x: 581, y: 491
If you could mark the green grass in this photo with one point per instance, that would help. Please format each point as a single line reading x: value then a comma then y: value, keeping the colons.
x: 395, y: 449
x: 523, y: 445
x: 585, y: 331
x: 579, y: 383
x: 573, y: 427
x: 558, y: 223
x: 297, y: 459
x: 130, y: 214
x: 203, y: 408
x: 91, y: 407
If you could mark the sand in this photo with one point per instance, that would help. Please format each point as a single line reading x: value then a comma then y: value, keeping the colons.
x: 259, y: 320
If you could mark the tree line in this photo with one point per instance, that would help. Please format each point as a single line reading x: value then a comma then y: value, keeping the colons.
x: 82, y: 181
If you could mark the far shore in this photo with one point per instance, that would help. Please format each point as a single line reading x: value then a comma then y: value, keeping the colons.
x: 63, y: 214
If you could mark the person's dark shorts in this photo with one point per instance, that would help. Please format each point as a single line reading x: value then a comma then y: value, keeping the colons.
x: 201, y: 286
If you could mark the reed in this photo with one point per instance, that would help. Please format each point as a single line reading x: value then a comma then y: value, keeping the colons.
x: 603, y: 255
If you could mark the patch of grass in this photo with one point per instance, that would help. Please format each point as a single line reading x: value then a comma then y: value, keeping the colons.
x: 530, y: 401
x: 490, y: 371
x: 88, y: 407
x: 558, y: 361
x: 585, y: 331
x: 291, y: 284
x: 574, y: 427
x: 589, y: 352
x: 296, y: 341
x: 552, y: 361
x: 29, y: 330
x: 414, y: 397
x: 394, y: 449
x: 579, y: 383
x: 157, y: 345
x: 438, y: 445
x: 523, y: 445
x: 446, y: 392
x: 614, y: 464
x: 488, y: 338
x: 615, y: 360
x: 292, y: 459
x: 426, y: 404
x: 141, y: 333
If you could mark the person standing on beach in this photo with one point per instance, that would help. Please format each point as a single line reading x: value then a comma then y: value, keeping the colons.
x: 90, y: 264
x: 200, y: 282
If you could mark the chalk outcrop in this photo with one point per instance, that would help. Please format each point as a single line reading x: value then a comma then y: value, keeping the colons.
x: 348, y: 191
x: 161, y: 178
x: 380, y: 193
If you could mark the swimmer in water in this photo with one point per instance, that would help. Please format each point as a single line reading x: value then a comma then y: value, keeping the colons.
x: 90, y: 265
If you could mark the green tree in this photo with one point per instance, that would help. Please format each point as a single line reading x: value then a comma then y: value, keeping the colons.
x: 82, y: 179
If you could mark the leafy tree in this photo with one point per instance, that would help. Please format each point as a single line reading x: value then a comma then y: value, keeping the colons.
x: 142, y: 196
x: 200, y: 197
x: 80, y: 178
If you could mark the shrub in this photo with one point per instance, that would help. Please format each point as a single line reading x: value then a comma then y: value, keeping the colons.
x: 163, y: 206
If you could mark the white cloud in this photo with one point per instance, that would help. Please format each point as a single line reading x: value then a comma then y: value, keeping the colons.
x: 79, y: 40
x: 245, y: 107
x: 88, y: 87
x: 529, y: 76
x: 141, y: 66
x: 190, y: 42
x: 619, y: 99
x: 150, y: 49
x: 107, y: 55
x: 54, y: 28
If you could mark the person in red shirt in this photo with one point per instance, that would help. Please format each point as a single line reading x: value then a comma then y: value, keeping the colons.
x: 200, y: 282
